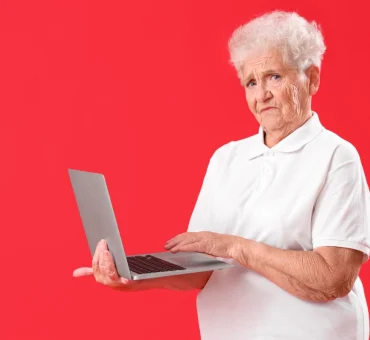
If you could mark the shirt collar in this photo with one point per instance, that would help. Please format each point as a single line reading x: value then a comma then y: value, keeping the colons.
x: 295, y: 141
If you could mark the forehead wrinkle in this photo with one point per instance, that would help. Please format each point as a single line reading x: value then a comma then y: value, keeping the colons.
x: 261, y: 73
x: 264, y: 63
x: 262, y: 70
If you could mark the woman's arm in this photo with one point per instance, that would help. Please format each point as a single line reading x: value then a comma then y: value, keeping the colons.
x: 320, y: 275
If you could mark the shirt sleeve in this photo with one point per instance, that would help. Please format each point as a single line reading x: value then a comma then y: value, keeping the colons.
x: 201, y: 215
x: 341, y: 215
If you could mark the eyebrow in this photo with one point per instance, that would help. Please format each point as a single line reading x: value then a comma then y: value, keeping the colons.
x: 250, y: 75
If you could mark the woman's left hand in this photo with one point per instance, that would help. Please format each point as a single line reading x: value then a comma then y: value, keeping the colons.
x: 218, y: 245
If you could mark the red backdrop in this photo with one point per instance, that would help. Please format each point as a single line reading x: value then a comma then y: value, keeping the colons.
x: 141, y: 91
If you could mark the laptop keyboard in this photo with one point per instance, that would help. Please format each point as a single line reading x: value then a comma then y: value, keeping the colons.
x: 150, y: 264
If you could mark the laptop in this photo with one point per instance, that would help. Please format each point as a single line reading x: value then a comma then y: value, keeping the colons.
x: 99, y: 222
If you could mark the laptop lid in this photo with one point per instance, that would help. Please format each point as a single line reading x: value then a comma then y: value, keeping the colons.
x: 97, y: 215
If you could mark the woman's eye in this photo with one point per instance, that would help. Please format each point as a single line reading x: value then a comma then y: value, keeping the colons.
x: 251, y: 83
x: 276, y: 76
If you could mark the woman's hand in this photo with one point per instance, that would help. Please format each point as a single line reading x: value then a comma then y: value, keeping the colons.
x: 105, y: 271
x: 219, y: 245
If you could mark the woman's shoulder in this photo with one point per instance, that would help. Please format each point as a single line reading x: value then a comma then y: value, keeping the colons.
x: 340, y: 147
x: 230, y: 149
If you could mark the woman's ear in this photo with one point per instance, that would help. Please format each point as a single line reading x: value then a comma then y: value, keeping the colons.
x: 313, y: 75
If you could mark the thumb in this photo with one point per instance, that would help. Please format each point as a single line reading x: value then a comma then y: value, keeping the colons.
x: 84, y: 271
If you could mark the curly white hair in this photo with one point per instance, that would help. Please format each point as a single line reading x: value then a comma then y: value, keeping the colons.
x: 300, y: 42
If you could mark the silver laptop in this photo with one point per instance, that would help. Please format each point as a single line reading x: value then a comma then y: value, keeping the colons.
x: 99, y: 222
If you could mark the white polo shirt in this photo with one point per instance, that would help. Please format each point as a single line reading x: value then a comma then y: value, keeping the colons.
x: 307, y: 191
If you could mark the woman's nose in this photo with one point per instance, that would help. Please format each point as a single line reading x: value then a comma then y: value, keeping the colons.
x: 263, y: 94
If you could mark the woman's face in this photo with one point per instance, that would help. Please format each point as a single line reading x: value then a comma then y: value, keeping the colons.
x: 278, y: 95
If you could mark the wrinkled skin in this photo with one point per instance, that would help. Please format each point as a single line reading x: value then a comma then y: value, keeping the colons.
x: 214, y: 244
x: 269, y: 82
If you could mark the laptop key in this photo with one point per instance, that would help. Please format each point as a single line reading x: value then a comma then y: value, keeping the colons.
x: 143, y: 262
x: 142, y: 266
x: 154, y: 259
x: 166, y: 266
x: 150, y: 264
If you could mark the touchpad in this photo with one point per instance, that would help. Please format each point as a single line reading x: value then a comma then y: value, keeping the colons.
x: 191, y: 260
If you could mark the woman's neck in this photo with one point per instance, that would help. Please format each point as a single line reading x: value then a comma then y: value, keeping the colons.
x: 271, y: 138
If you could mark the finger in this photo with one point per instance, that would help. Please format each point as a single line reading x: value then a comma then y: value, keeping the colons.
x: 188, y: 247
x: 172, y: 243
x: 123, y: 280
x: 104, y: 265
x: 176, y: 240
x: 110, y: 269
x: 95, y: 260
x: 178, y: 246
x: 103, y: 244
x: 98, y: 270
x: 188, y: 238
x: 84, y: 271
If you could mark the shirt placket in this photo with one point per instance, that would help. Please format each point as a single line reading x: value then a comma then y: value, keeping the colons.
x: 267, y: 173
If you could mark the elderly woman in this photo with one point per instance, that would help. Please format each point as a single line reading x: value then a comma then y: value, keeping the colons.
x: 288, y: 206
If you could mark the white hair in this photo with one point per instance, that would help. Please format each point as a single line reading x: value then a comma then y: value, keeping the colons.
x: 300, y: 41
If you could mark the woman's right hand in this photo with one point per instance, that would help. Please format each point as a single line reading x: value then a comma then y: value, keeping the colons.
x: 105, y: 272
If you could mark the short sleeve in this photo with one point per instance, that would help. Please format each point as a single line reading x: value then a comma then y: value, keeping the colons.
x: 341, y: 215
x: 200, y: 218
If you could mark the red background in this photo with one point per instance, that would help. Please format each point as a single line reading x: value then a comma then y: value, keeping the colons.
x: 142, y: 92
